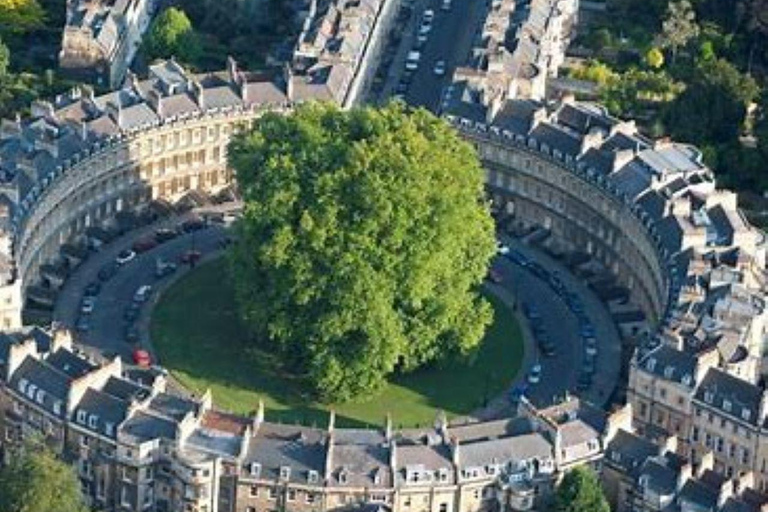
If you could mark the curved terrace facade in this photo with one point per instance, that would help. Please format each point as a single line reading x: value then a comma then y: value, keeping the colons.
x: 643, y: 213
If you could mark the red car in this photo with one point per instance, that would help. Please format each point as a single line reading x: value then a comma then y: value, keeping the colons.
x: 144, y: 245
x: 142, y: 358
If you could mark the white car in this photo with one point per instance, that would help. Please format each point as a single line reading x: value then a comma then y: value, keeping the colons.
x: 534, y: 377
x: 590, y: 347
x: 446, y: 5
x: 439, y: 68
x: 503, y: 249
x: 87, y: 305
x: 425, y: 27
x: 422, y: 37
x: 429, y: 15
x: 125, y: 256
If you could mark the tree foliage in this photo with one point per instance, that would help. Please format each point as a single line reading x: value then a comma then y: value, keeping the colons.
x: 679, y: 26
x: 654, y: 58
x: 580, y: 491
x: 712, y: 108
x: 364, y: 238
x: 20, y: 16
x: 5, y: 59
x: 172, y: 35
x: 36, y: 481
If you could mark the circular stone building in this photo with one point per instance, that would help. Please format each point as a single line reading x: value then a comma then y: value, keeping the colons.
x: 671, y: 255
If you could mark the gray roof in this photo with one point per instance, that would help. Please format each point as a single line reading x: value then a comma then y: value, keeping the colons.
x: 103, y: 412
x: 70, y: 364
x: 300, y: 449
x: 142, y: 427
x: 55, y: 384
x: 670, y: 364
x: 730, y: 395
x: 627, y: 452
x: 172, y: 406
x: 518, y: 448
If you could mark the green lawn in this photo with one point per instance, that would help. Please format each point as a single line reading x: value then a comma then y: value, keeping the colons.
x: 198, y: 338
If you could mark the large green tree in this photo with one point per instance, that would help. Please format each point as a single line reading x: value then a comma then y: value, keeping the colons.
x: 580, y: 491
x: 36, y: 481
x: 20, y: 15
x: 364, y: 239
x: 171, y: 35
x: 712, y: 108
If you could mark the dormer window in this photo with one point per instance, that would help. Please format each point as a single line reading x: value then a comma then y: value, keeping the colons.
x: 343, y: 476
x: 57, y: 407
x: 746, y: 414
x: 709, y: 397
x: 109, y: 428
x: 82, y: 417
x: 93, y: 421
x: 312, y: 476
x: 668, y: 372
x: 651, y: 364
x: 40, y: 396
x: 285, y: 473
x: 254, y: 469
x: 727, y: 405
x: 442, y: 475
x: 23, y: 386
x: 31, y: 391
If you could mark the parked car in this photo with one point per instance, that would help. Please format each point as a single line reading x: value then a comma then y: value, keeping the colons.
x: 191, y: 225
x: 590, y: 346
x: 83, y: 323
x: 92, y: 289
x: 131, y: 313
x: 446, y: 5
x: 125, y: 256
x: 162, y: 235
x: 87, y: 305
x: 164, y: 268
x: 142, y: 358
x: 429, y: 15
x: 518, y: 258
x: 587, y: 330
x: 530, y: 311
x: 588, y: 366
x: 132, y: 334
x: 107, y: 272
x: 144, y: 244
x: 439, y: 68
x: 534, y: 376
x: 142, y: 293
x: 502, y: 249
x: 494, y: 276
x: 190, y: 257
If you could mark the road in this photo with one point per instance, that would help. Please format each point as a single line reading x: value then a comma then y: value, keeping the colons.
x: 451, y: 40
x: 561, y: 371
x: 107, y: 332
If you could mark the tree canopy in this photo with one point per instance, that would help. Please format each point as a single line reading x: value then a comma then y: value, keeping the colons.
x: 580, y: 491
x: 34, y: 480
x: 679, y: 26
x: 713, y: 107
x: 364, y: 238
x: 20, y: 15
x: 171, y: 35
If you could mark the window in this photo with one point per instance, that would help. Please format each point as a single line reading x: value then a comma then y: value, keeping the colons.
x: 22, y: 386
x: 272, y: 493
x: 124, y: 501
x: 40, y: 397
x: 81, y: 417
x: 285, y: 473
x: 443, y: 507
x: 93, y: 421
x: 291, y: 494
x: 109, y: 428
x: 312, y: 476
x: 57, y: 407
x: 84, y: 440
x: 407, y: 501
x: 255, y: 469
x: 250, y: 509
x: 254, y: 491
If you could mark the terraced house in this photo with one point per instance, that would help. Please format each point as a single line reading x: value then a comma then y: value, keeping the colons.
x: 139, y: 447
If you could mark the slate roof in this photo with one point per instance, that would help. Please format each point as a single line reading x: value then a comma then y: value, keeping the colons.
x: 70, y: 364
x: 299, y: 448
x: 627, y: 452
x: 670, y: 364
x: 55, y: 384
x: 103, y: 413
x: 730, y: 395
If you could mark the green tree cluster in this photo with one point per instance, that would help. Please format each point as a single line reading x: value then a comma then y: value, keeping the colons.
x: 679, y: 26
x: 18, y: 16
x: 712, y: 108
x: 34, y: 480
x: 580, y: 491
x: 364, y: 238
x: 171, y: 35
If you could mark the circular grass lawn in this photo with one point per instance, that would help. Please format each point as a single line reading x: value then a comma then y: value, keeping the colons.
x: 198, y: 337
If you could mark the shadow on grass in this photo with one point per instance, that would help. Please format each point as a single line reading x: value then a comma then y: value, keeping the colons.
x: 199, y: 338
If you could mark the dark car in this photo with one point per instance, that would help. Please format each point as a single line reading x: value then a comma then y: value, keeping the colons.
x: 191, y: 225
x: 164, y: 268
x: 584, y: 382
x: 190, y: 257
x: 131, y: 313
x: 530, y: 311
x: 83, y: 323
x: 107, y: 272
x: 163, y: 235
x: 132, y: 335
x: 92, y: 289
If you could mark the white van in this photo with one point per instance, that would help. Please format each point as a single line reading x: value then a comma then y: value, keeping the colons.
x: 446, y: 5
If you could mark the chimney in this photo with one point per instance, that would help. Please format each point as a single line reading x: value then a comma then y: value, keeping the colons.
x: 62, y: 338
x: 494, y: 106
x: 725, y: 492
x: 132, y: 82
x: 707, y: 462
x: 155, y: 100
x: 331, y: 421
x: 288, y: 78
x: 42, y: 108
x: 441, y: 424
x: 669, y: 445
x: 10, y: 128
x: 393, y: 456
x: 258, y: 418
x: 115, y: 111
x: 455, y: 451
x: 744, y: 481
x: 329, y: 453
x: 199, y: 94
x: 685, y: 473
x: 206, y: 400
x: 232, y: 70
x: 17, y: 353
x: 388, y: 428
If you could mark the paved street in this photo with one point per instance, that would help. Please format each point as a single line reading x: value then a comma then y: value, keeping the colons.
x: 450, y: 40
x: 561, y: 371
x: 107, y: 332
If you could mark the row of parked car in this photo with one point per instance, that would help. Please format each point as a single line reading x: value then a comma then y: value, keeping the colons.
x: 546, y: 346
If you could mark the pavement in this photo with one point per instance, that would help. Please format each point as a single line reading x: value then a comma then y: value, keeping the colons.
x: 451, y: 39
x: 107, y: 330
